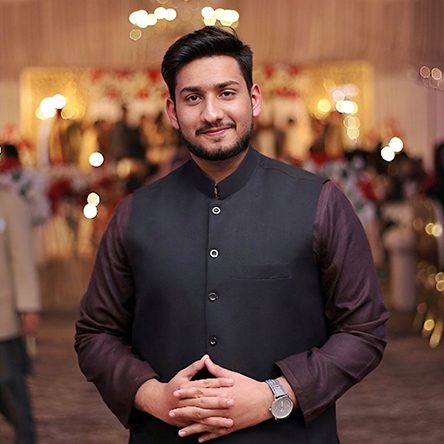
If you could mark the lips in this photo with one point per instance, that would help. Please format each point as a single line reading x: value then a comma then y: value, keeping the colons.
x: 215, y: 130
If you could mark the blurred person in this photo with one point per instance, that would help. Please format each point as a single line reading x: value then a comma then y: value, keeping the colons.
x: 434, y: 183
x: 19, y: 313
x: 28, y: 183
x: 124, y: 142
x: 235, y: 298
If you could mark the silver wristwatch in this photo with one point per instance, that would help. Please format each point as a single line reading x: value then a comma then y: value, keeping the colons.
x: 282, y: 405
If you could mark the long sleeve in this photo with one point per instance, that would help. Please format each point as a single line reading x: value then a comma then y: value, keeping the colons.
x: 23, y: 264
x: 354, y: 309
x: 103, y: 332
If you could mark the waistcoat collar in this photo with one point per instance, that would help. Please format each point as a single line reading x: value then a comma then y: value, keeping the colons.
x: 234, y: 182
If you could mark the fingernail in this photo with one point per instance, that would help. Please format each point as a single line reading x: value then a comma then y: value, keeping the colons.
x: 172, y: 414
x: 230, y: 402
x: 229, y: 422
x: 182, y: 433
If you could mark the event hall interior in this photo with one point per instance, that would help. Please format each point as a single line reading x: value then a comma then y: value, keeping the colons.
x: 352, y: 89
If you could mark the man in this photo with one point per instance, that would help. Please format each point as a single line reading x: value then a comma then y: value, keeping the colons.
x: 235, y: 285
x: 19, y: 313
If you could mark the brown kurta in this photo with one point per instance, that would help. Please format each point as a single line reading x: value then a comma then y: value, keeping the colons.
x: 318, y: 376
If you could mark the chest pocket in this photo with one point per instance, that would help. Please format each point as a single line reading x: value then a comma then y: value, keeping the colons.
x: 264, y: 272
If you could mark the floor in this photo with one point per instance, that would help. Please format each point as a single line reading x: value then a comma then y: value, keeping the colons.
x: 402, y: 402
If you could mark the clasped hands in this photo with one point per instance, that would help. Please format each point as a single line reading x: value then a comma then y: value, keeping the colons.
x: 210, y: 407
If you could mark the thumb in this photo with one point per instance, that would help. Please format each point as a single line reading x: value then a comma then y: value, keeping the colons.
x: 194, y: 368
x: 217, y: 370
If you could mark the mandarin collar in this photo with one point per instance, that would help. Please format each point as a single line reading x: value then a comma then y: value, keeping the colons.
x: 226, y: 187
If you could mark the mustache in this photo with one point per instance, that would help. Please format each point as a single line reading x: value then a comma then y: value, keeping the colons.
x: 210, y: 126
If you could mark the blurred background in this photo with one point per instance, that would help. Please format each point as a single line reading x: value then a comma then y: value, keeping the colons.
x: 353, y: 90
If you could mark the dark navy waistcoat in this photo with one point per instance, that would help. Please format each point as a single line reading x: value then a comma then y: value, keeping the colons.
x: 233, y: 277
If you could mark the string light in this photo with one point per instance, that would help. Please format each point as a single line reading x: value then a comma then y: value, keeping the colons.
x: 226, y: 17
x: 49, y: 106
x: 90, y: 211
x: 387, y: 153
x: 96, y: 159
x: 396, y: 144
x: 93, y: 199
x: 143, y: 19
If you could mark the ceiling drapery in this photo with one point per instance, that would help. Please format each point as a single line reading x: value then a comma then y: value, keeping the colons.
x: 94, y: 33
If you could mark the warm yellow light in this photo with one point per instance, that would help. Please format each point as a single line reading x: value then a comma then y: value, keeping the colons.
x: 58, y: 101
x: 435, y: 339
x: 440, y: 286
x: 436, y: 74
x: 47, y: 105
x: 429, y: 324
x: 347, y: 107
x: 424, y: 72
x: 93, y: 199
x: 68, y: 113
x: 170, y: 14
x: 144, y: 19
x: 219, y: 14
x: 352, y: 122
x: 338, y: 95
x: 135, y: 16
x: 210, y: 21
x: 396, y: 144
x: 207, y: 12
x: 324, y: 106
x: 90, y: 211
x: 439, y: 276
x: 437, y: 230
x: 230, y: 15
x: 96, y: 159
x: 151, y: 20
x: 135, y: 34
x: 353, y: 133
x: 40, y: 115
x: 429, y: 228
x: 387, y: 153
x: 160, y: 12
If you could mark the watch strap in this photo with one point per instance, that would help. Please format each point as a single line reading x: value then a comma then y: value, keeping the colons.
x: 276, y: 388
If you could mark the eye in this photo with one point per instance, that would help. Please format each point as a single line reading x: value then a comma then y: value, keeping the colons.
x: 192, y: 98
x: 228, y: 93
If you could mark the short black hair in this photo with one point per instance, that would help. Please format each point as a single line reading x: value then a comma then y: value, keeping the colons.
x: 206, y: 42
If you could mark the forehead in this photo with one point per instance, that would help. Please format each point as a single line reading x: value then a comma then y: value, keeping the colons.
x: 208, y: 71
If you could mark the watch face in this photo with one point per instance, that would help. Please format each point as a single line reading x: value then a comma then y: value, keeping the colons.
x: 282, y: 407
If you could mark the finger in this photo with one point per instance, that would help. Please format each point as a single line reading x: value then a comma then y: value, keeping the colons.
x: 201, y: 428
x: 217, y: 370
x: 194, y: 393
x: 207, y: 402
x: 209, y: 383
x: 196, y: 414
x: 194, y: 368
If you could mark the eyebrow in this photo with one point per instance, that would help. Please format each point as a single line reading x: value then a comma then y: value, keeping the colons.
x: 222, y: 85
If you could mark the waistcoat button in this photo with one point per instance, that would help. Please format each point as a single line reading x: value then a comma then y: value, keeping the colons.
x: 213, y: 296
x: 213, y: 340
x: 214, y: 253
x: 216, y: 210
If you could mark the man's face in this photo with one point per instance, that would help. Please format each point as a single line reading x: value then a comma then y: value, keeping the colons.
x: 214, y: 109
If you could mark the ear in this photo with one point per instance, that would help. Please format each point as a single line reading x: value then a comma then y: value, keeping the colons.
x: 170, y: 109
x: 256, y: 100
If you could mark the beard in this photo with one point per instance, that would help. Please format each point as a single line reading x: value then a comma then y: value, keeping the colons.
x: 221, y: 152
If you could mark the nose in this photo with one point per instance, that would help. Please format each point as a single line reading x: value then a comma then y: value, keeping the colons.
x: 212, y: 111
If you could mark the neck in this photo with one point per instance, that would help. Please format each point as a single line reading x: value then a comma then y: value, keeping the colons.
x: 218, y: 170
